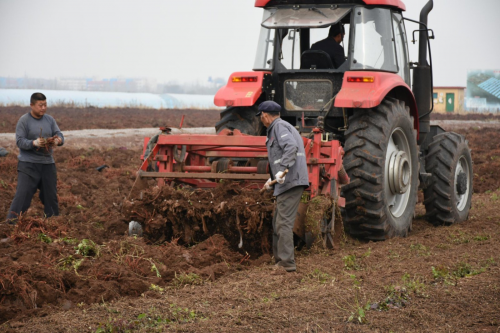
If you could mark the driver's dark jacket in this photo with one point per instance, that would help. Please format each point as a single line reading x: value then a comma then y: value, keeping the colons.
x: 334, y: 50
x: 285, y: 148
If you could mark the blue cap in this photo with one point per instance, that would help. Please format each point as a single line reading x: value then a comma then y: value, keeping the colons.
x: 268, y: 107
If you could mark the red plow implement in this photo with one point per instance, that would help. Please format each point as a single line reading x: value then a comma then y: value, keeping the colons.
x: 203, y: 161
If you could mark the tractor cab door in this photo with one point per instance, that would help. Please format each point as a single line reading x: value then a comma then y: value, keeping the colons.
x: 379, y: 42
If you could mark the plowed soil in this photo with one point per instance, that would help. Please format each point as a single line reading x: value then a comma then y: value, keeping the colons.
x: 80, y: 272
x: 112, y: 118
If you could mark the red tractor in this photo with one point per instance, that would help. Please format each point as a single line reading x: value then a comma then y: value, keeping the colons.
x: 369, y: 103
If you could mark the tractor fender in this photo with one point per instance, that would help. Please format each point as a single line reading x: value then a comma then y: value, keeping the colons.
x: 240, y: 93
x: 367, y: 95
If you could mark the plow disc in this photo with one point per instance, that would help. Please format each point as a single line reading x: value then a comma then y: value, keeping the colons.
x: 190, y: 187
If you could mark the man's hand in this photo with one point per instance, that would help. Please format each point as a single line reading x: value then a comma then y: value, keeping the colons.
x: 57, y: 140
x: 40, y: 142
x: 280, y: 177
x: 268, y: 185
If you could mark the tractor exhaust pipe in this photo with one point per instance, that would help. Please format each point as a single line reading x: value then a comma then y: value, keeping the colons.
x: 422, y: 76
x: 423, y: 35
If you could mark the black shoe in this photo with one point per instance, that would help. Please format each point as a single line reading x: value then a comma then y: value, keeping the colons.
x: 286, y: 268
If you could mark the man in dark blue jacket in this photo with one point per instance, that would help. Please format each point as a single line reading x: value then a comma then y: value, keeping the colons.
x: 36, y: 134
x: 285, y: 149
x: 331, y: 45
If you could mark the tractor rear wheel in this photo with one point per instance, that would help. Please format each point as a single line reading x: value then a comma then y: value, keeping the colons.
x: 242, y: 118
x: 382, y: 161
x: 448, y: 198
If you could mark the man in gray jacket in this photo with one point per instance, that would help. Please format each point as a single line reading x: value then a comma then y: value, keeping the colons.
x: 36, y: 134
x: 285, y: 149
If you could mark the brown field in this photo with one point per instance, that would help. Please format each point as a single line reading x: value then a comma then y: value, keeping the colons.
x: 438, y: 279
x: 112, y: 118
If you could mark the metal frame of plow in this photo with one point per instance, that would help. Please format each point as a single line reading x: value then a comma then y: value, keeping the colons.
x: 195, y: 159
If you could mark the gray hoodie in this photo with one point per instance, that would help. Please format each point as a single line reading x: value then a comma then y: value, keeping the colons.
x: 285, y: 148
x: 28, y: 129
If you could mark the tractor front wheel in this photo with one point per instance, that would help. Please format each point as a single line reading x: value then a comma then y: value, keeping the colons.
x: 448, y: 198
x: 382, y: 161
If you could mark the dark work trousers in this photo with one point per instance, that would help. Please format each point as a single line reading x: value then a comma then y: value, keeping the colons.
x: 30, y: 177
x: 287, y: 204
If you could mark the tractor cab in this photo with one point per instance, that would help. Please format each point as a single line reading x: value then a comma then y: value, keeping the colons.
x: 369, y: 40
x: 305, y: 76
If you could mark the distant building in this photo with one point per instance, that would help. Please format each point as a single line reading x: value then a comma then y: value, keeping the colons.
x: 449, y: 99
x: 72, y: 83
x: 483, y: 91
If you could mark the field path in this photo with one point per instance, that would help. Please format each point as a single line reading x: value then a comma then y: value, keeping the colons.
x: 133, y: 137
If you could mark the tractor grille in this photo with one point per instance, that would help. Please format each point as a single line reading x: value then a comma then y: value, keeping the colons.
x: 309, y: 92
x: 307, y: 95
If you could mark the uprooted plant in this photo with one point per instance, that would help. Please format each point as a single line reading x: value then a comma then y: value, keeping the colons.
x: 241, y: 215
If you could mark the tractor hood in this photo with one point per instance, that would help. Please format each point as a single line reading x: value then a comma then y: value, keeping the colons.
x: 305, y: 17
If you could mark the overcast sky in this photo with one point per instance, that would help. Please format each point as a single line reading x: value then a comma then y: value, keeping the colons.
x: 188, y: 41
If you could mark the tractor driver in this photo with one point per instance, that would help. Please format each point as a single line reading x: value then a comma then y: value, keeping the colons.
x: 331, y: 45
x: 285, y: 149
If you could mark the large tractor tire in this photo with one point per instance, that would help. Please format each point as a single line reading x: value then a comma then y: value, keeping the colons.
x: 382, y: 161
x: 448, y: 197
x: 241, y: 118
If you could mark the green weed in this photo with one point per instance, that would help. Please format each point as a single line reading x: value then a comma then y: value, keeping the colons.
x: 156, y: 288
x: 439, y: 272
x: 152, y: 321
x: 44, y: 238
x: 459, y: 237
x: 480, y: 238
x: 88, y: 248
x: 98, y: 225
x: 360, y: 314
x: 397, y: 297
x: 154, y: 268
x: 463, y: 269
x: 421, y: 250
x: 490, y: 262
x: 182, y: 315
x: 393, y: 255
x: 271, y: 298
x: 318, y: 275
x: 351, y: 261
x: 442, y: 274
x: 68, y: 262
x: 358, y: 311
x: 414, y: 284
x: 68, y: 240
x: 187, y: 279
